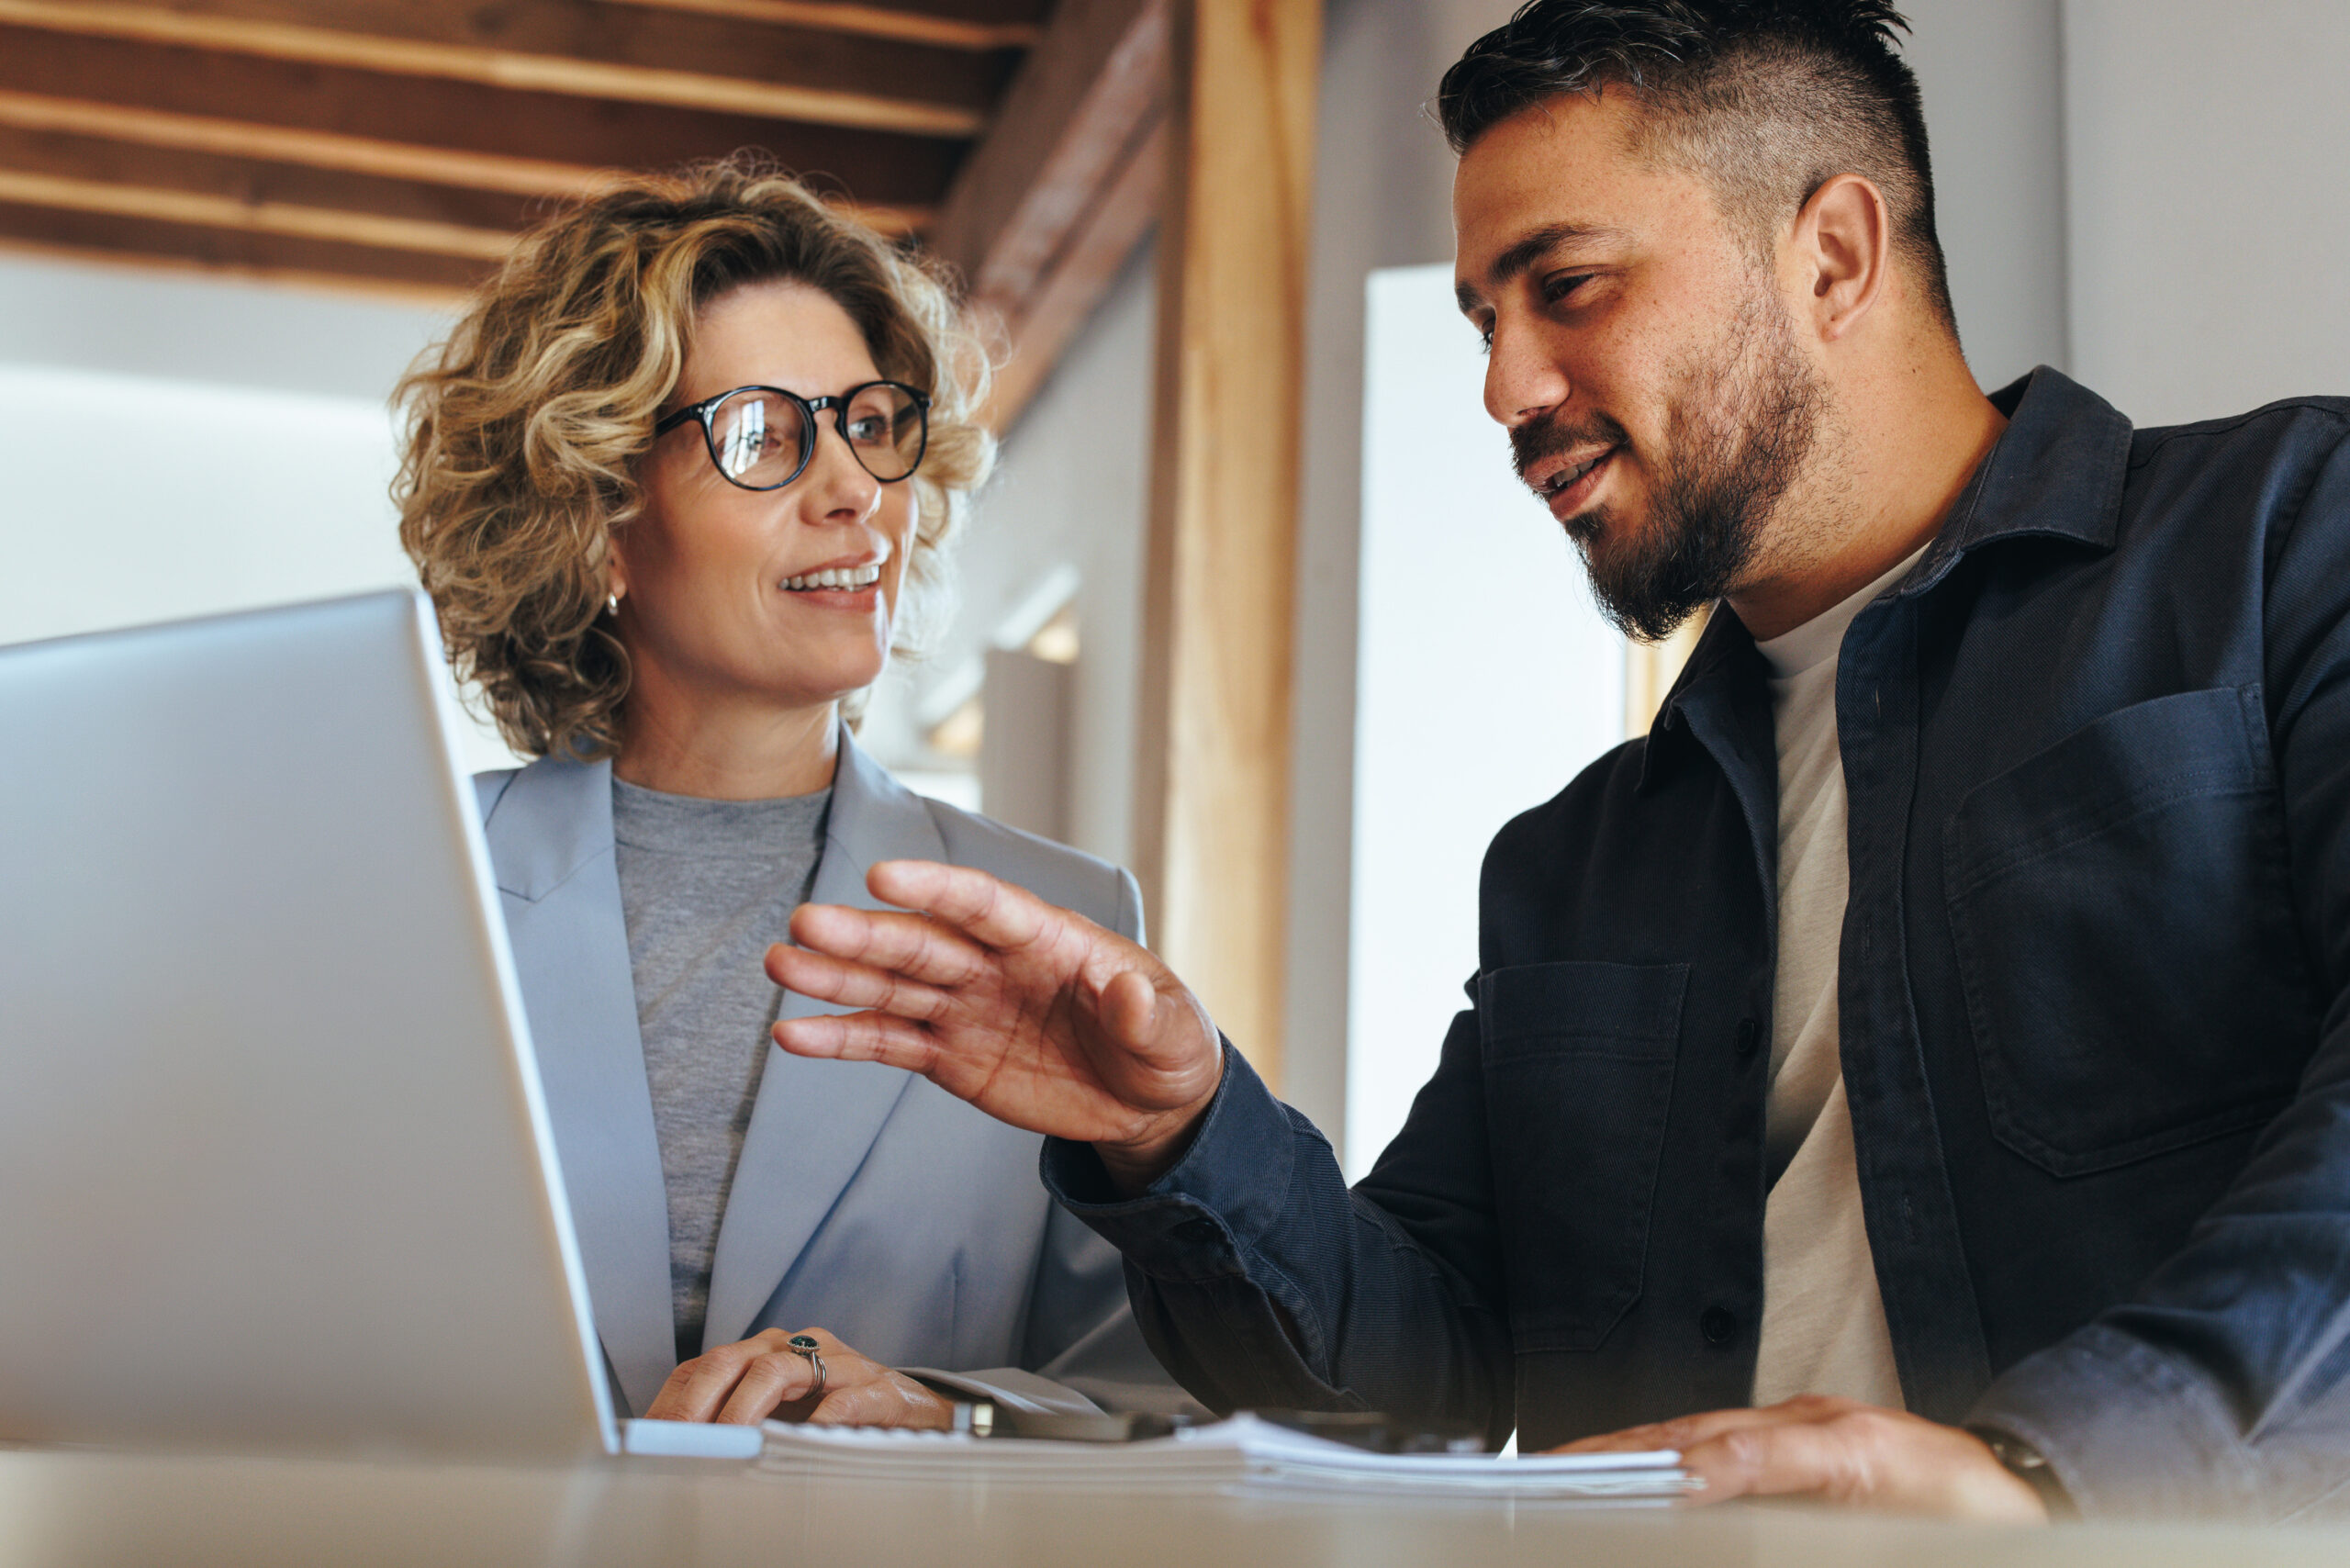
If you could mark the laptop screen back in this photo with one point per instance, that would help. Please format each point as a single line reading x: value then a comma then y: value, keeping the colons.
x: 274, y: 1168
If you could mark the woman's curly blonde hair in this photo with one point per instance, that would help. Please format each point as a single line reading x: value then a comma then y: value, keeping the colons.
x: 525, y: 426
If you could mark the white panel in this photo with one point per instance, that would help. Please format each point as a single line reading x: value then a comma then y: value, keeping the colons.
x: 132, y: 499
x: 1993, y: 81
x: 1485, y: 682
x: 2210, y: 216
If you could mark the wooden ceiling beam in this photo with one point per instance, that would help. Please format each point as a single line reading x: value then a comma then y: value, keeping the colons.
x: 584, y: 48
x: 241, y: 251
x: 872, y: 21
x: 217, y: 161
x: 1065, y: 185
x: 1057, y: 308
x: 203, y: 209
x: 89, y: 156
x: 419, y: 129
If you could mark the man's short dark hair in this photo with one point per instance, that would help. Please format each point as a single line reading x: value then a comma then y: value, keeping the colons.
x: 1766, y: 100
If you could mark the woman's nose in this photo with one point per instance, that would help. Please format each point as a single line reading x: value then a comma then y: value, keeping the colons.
x: 842, y: 489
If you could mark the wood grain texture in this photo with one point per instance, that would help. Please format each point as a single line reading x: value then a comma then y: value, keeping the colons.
x: 1119, y: 218
x: 407, y: 273
x: 1070, y: 123
x: 419, y: 128
x: 483, y: 222
x: 1214, y: 764
x: 579, y: 47
x: 901, y: 22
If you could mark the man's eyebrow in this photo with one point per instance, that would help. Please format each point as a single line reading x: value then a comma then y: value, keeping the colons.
x: 1522, y: 255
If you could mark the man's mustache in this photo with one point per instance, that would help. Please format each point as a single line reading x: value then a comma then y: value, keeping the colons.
x: 1532, y: 442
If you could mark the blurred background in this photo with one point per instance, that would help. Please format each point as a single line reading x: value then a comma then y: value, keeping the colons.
x: 227, y: 225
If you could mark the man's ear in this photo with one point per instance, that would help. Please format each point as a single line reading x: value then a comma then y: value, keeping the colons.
x: 1843, y: 249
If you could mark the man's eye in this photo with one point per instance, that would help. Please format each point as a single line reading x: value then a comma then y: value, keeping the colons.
x: 1559, y: 287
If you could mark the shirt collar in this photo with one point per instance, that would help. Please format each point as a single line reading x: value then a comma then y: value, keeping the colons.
x: 2058, y: 471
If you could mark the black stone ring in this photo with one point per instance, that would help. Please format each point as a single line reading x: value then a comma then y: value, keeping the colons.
x: 806, y: 1345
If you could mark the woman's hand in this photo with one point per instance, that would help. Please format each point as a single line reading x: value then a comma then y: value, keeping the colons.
x: 751, y: 1380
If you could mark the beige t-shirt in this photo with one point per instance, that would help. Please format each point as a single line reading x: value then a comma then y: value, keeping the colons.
x: 1823, y: 1321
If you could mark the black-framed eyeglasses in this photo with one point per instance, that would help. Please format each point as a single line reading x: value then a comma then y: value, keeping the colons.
x: 762, y: 438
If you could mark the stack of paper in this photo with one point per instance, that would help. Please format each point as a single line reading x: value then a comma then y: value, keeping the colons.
x: 1243, y: 1452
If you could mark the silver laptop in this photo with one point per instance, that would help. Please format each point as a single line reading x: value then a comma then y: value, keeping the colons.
x: 275, y: 1168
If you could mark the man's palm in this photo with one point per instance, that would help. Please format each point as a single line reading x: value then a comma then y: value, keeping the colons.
x: 1032, y: 1013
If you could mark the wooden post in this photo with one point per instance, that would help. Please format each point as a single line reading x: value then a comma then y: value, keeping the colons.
x: 1213, y: 765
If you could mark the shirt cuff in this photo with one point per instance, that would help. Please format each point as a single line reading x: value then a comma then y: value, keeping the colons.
x: 2126, y: 1431
x: 1231, y: 1186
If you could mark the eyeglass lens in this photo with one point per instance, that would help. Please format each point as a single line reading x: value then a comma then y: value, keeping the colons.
x: 761, y: 439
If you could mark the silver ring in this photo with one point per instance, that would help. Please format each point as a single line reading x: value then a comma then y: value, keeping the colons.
x: 805, y: 1345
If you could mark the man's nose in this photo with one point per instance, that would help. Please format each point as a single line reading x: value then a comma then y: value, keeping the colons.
x: 1523, y: 381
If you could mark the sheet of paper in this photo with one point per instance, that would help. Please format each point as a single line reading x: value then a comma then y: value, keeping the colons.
x: 1243, y: 1452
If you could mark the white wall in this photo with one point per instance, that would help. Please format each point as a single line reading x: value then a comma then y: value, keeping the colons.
x: 1066, y: 512
x: 1382, y: 198
x: 182, y: 446
x: 1992, y: 73
x: 2209, y: 214
x: 1485, y: 681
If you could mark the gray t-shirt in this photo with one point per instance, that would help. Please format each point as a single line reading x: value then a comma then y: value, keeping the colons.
x: 706, y: 886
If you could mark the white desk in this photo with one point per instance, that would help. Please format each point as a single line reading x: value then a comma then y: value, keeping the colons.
x: 120, y: 1511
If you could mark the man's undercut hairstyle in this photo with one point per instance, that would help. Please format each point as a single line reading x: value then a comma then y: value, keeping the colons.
x: 1766, y: 100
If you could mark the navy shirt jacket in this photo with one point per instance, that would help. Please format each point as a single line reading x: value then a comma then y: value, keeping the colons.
x: 2093, y: 973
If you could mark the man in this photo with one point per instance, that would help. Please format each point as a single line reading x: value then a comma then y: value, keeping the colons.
x: 1923, y: 1057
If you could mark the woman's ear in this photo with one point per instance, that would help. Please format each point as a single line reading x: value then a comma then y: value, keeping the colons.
x: 615, y: 580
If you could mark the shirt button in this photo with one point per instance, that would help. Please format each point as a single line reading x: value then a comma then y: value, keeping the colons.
x: 1750, y: 1035
x: 1199, y: 1232
x: 1717, y: 1324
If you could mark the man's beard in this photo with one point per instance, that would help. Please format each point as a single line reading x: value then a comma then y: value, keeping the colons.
x: 1737, y: 437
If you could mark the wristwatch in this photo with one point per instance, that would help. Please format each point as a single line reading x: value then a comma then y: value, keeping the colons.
x: 2029, y: 1465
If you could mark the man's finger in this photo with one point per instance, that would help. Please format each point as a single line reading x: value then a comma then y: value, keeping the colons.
x: 828, y: 979
x: 1778, y: 1460
x: 1685, y: 1432
x: 862, y: 1036
x: 994, y: 912
x: 909, y: 945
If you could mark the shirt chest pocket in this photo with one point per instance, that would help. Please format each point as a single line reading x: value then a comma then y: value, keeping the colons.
x: 1578, y: 1069
x: 2122, y: 914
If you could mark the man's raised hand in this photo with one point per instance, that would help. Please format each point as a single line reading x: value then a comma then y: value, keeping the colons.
x: 1032, y: 1013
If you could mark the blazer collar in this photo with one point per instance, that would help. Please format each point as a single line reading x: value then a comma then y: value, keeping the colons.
x: 553, y: 818
x: 551, y: 841
x: 814, y: 1121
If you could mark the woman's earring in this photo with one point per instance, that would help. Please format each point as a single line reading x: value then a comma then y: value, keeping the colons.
x: 611, y: 604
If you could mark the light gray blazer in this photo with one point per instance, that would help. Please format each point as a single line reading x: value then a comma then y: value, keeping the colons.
x: 865, y: 1201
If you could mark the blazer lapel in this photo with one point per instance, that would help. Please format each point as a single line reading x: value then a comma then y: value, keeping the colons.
x: 551, y: 841
x: 814, y: 1120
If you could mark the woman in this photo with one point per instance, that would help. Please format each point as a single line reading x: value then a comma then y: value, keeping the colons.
x: 674, y: 483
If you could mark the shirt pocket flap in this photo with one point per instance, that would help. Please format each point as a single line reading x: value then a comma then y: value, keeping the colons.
x: 2122, y: 909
